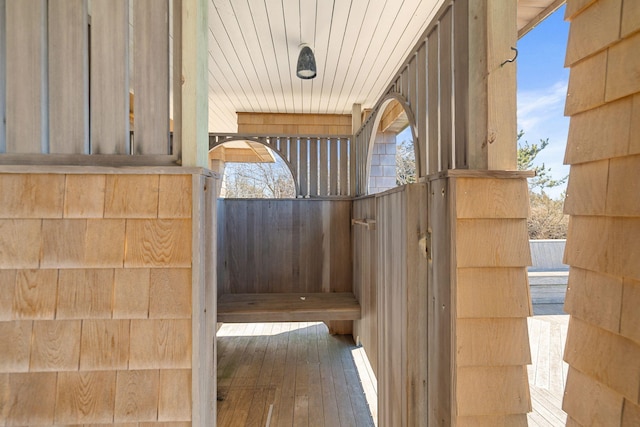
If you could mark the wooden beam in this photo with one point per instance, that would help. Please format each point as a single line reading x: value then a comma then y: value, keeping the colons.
x: 195, y: 89
x: 491, y: 133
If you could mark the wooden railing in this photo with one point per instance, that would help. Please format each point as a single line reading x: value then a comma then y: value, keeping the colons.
x: 319, y: 165
x: 73, y: 69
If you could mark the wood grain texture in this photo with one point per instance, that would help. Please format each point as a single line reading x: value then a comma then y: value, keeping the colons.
x: 590, y: 73
x: 491, y: 198
x: 492, y: 342
x: 287, y: 307
x: 84, y: 196
x: 595, y: 298
x: 83, y: 243
x: 105, y: 345
x: 492, y: 293
x: 85, y: 294
x: 605, y: 357
x: 160, y: 344
x: 158, y: 243
x: 174, y: 198
x: 630, y: 414
x: 593, y: 30
x: 621, y: 64
x: 131, y: 293
x: 136, y: 396
x: 630, y: 315
x: 575, y: 7
x: 16, y: 340
x: 630, y: 18
x: 20, y: 242
x: 31, y: 399
x: 174, y: 403
x: 7, y: 290
x: 68, y: 77
x: 26, y: 121
x: 498, y: 390
x: 85, y: 397
x: 56, y: 345
x: 622, y: 186
x: 131, y: 196
x: 587, y: 188
x: 519, y: 420
x: 151, y: 76
x: 110, y: 77
x: 589, y: 402
x: 610, y: 122
x: 31, y: 196
x: 170, y: 293
x: 34, y: 296
x: 492, y: 243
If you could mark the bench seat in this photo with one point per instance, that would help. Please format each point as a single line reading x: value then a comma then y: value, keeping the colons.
x: 287, y: 307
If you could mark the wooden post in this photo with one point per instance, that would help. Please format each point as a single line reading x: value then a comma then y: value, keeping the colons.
x: 195, y: 110
x: 489, y: 31
x: 3, y: 54
x: 356, y: 122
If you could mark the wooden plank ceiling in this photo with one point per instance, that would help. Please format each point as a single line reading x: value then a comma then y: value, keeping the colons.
x: 358, y: 45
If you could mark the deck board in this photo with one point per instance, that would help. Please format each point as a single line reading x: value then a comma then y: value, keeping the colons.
x: 288, y: 307
x: 309, y: 376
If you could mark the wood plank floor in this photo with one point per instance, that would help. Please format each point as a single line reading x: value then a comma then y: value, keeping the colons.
x: 292, y: 374
x: 547, y: 373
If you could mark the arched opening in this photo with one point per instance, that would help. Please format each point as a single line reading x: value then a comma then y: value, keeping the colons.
x: 252, y: 170
x: 392, y: 153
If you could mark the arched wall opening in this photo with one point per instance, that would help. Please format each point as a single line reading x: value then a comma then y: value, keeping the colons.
x: 250, y: 169
x: 391, y: 159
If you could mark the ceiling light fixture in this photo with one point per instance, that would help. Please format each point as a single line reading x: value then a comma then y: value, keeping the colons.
x: 306, y: 68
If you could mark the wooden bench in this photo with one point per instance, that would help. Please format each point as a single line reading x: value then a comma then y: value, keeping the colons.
x: 281, y: 307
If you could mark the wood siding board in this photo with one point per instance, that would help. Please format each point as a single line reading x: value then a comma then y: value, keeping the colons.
x: 323, y: 166
x: 105, y: 345
x: 446, y: 90
x: 313, y: 167
x: 158, y: 243
x: 630, y: 414
x: 56, y: 345
x: 587, y: 188
x: 621, y: 64
x: 347, y: 166
x: 504, y: 243
x: 131, y: 293
x: 131, y: 196
x: 174, y: 196
x: 136, y: 396
x: 85, y: 397
x: 35, y: 294
x: 335, y: 168
x: 630, y: 18
x: 7, y: 290
x: 170, y: 293
x: 31, y: 195
x: 31, y: 398
x: 110, y: 77
x: 591, y: 73
x: 622, y: 186
x: 433, y: 107
x: 585, y: 288
x: 590, y: 402
x: 26, y: 52
x: 68, y: 77
x: 84, y: 196
x: 175, y: 395
x: 492, y: 342
x: 84, y: 294
x: 160, y: 344
x: 304, y: 167
x: 16, y: 339
x: 20, y: 243
x: 630, y: 315
x: 461, y: 82
x: 492, y: 198
x: 492, y: 390
x: 151, y: 76
x: 594, y: 29
x: 587, y: 349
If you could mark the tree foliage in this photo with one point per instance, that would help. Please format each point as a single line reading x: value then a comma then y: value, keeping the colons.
x: 258, y: 180
x: 547, y: 219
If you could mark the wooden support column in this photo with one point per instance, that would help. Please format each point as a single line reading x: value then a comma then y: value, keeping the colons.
x: 485, y: 32
x: 478, y: 346
x: 356, y: 122
x: 195, y: 88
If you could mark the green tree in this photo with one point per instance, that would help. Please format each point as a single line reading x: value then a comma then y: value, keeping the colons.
x: 546, y: 219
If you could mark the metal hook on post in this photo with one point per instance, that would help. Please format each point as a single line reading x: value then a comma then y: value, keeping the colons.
x: 512, y: 59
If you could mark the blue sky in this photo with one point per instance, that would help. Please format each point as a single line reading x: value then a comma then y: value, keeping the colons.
x: 542, y: 89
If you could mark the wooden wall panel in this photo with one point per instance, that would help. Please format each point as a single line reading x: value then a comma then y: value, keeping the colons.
x: 14, y: 352
x: 175, y: 196
x: 293, y: 245
x: 151, y: 76
x: 505, y: 243
x: 136, y: 396
x: 68, y: 77
x: 31, y: 196
x: 110, y: 77
x: 174, y: 404
x: 297, y: 124
x: 34, y: 295
x: 84, y: 196
x: 84, y: 294
x: 483, y: 390
x: 593, y: 29
x: 105, y: 345
x: 131, y: 293
x: 20, y: 242
x: 85, y: 397
x: 630, y: 316
x: 56, y: 345
x: 27, y: 119
x: 492, y: 293
x: 31, y: 398
x: 131, y: 196
x: 590, y: 403
x: 170, y: 293
x: 163, y: 343
x: 162, y: 242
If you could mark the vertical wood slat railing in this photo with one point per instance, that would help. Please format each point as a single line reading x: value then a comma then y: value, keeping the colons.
x: 74, y: 70
x: 319, y: 165
x: 430, y: 87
